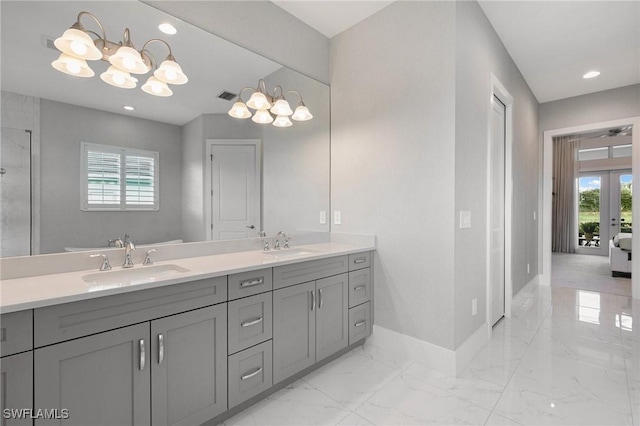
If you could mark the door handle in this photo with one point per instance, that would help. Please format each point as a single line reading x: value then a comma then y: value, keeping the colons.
x: 313, y: 300
x: 142, y: 359
x: 250, y: 227
x: 160, y: 348
x: 319, y: 298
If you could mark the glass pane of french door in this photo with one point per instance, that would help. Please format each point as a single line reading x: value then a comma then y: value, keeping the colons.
x: 622, y: 201
x: 589, y: 210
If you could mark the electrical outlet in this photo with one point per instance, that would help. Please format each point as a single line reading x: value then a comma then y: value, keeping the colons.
x: 465, y: 219
x: 337, y: 217
x: 323, y: 217
x: 474, y: 307
x: 528, y: 268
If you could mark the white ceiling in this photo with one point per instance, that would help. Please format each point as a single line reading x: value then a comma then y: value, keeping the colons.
x: 553, y: 43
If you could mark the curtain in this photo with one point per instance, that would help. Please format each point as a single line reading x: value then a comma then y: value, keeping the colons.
x: 565, y: 174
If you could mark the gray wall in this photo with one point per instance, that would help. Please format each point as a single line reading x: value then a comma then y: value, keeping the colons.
x: 63, y: 224
x: 261, y: 27
x: 296, y: 161
x: 479, y: 52
x: 611, y: 104
x: 393, y: 158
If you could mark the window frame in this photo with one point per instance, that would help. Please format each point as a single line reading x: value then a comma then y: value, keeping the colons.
x: 85, y: 147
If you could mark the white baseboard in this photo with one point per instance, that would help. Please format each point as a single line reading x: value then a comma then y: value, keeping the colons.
x: 537, y: 280
x: 403, y: 350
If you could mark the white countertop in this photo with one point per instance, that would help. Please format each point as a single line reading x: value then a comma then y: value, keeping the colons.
x: 46, y: 290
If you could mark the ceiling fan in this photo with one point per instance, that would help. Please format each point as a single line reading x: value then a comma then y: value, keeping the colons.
x: 618, y: 131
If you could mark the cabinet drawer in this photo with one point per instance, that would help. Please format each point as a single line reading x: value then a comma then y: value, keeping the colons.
x: 359, y: 260
x: 250, y: 321
x: 16, y: 332
x: 249, y: 283
x: 359, y: 322
x: 76, y: 319
x: 297, y: 273
x: 359, y: 287
x: 250, y: 372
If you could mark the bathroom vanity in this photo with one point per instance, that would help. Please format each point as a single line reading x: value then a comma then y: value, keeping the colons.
x: 191, y: 341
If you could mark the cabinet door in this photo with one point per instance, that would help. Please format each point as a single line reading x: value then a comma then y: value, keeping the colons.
x: 16, y: 388
x: 294, y: 339
x: 101, y: 379
x: 189, y: 366
x: 332, y: 316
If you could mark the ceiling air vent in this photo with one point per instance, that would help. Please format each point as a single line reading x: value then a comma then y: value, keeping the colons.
x: 227, y: 96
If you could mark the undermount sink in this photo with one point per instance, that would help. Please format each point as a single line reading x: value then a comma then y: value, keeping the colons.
x: 292, y: 252
x: 133, y: 275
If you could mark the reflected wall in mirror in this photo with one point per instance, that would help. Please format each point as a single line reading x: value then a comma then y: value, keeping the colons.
x: 60, y: 112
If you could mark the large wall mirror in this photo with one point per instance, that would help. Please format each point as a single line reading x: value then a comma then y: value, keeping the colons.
x: 218, y: 177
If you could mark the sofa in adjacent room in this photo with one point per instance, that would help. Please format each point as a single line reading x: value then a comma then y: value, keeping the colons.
x: 620, y: 255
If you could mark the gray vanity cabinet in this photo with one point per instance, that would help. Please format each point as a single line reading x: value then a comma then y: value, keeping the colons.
x: 310, y: 322
x: 101, y: 379
x: 332, y: 327
x: 188, y: 363
x: 16, y: 386
x: 294, y: 330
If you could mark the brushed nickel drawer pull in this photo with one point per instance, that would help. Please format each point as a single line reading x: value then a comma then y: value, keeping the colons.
x: 320, y: 298
x: 360, y: 324
x: 142, y: 354
x: 359, y: 288
x: 160, y: 348
x: 252, y: 374
x: 251, y: 282
x: 313, y: 300
x: 250, y: 323
x: 360, y: 260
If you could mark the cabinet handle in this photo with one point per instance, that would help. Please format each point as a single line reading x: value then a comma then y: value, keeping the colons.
x: 319, y: 298
x: 360, y: 260
x: 359, y: 288
x: 251, y: 282
x: 360, y: 323
x: 160, y: 348
x: 313, y: 300
x: 250, y: 323
x: 142, y: 354
x: 252, y: 374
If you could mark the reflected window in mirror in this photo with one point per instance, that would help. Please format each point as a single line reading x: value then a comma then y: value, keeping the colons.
x: 120, y: 179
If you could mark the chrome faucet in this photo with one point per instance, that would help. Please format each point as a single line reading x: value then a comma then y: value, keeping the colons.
x: 277, y: 244
x: 265, y: 241
x: 115, y: 243
x: 128, y: 248
x: 105, y: 261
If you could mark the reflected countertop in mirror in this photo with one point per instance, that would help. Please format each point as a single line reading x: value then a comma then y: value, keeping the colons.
x: 60, y: 112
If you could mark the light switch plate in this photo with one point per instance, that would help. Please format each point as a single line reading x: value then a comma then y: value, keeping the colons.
x: 337, y: 217
x: 465, y: 219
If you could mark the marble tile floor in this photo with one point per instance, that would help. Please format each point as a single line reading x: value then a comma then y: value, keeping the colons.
x: 565, y: 357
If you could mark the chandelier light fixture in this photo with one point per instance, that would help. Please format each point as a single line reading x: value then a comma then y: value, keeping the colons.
x: 267, y: 106
x: 78, y: 47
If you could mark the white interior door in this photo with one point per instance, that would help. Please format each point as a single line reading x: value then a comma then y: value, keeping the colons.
x: 15, y: 192
x: 497, y: 213
x: 235, y: 172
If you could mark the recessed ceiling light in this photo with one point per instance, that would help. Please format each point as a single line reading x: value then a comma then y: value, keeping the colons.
x: 129, y: 108
x: 591, y: 74
x: 167, y: 28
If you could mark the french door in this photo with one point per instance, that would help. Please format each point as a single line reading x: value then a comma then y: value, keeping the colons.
x: 604, y: 209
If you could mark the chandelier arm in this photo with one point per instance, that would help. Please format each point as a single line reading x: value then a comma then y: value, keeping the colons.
x: 297, y: 93
x: 83, y: 13
x: 262, y: 87
x: 243, y: 89
x: 170, y: 57
x: 275, y: 91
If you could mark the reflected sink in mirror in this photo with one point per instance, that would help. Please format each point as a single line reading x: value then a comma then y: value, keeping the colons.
x: 136, y: 275
x: 290, y: 253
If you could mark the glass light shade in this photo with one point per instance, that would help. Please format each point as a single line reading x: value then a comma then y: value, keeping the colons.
x: 78, y: 44
x: 302, y: 114
x: 239, y: 110
x: 128, y: 59
x: 170, y: 72
x: 281, y: 107
x: 262, y: 116
x: 73, y: 66
x: 259, y: 101
x: 118, y: 78
x: 282, y: 121
x: 155, y: 87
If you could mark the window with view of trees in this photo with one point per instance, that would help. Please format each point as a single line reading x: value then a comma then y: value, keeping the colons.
x: 115, y: 178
